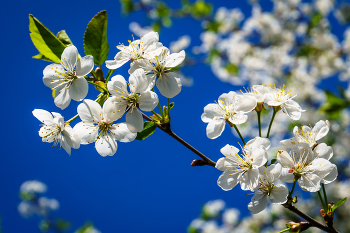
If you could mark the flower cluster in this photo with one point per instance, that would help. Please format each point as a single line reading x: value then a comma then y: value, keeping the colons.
x: 307, y: 163
x: 150, y: 65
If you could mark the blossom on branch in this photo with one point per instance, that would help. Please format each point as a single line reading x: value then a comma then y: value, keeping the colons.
x: 56, y: 131
x: 123, y: 101
x: 158, y: 71
x: 97, y: 127
x: 67, y: 78
x: 308, y: 167
x: 231, y: 108
x: 145, y: 48
x: 244, y: 168
x: 306, y: 134
x: 267, y: 190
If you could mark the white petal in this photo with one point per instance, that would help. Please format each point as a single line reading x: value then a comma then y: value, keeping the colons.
x: 258, y: 157
x: 215, y: 128
x: 222, y: 164
x: 53, y: 75
x: 84, y: 65
x: 321, y: 167
x: 120, y: 59
x: 134, y: 120
x: 258, y: 203
x: 321, y: 129
x: 289, y: 143
x: 278, y: 194
x: 64, y: 144
x: 106, y: 145
x: 74, y: 139
x: 229, y: 150
x: 149, y: 41
x: 309, y: 182
x: 122, y: 133
x: 114, y: 107
x: 228, y: 180
x: 238, y: 118
x: 271, y: 173
x: 147, y: 101
x: 292, y: 109
x: 69, y: 58
x: 138, y: 81
x: 117, y: 86
x: 284, y: 159
x: 43, y: 116
x: 62, y: 97
x: 146, y: 65
x: 257, y: 142
x: 324, y: 151
x: 87, y: 132
x: 79, y: 89
x: 175, y: 59
x: 227, y: 99
x: 90, y: 111
x: 286, y: 176
x: 169, y: 84
x: 245, y: 103
x: 331, y: 176
x: 211, y: 111
x: 250, y: 179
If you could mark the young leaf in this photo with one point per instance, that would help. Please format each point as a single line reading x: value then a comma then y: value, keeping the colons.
x: 110, y: 72
x: 42, y: 57
x: 148, y: 128
x: 342, y: 201
x: 49, y: 46
x: 64, y: 38
x: 95, y: 38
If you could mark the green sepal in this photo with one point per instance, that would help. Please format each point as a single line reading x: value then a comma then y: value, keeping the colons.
x: 148, y: 128
x: 95, y: 38
x: 171, y: 105
x: 64, y: 38
x: 49, y: 46
x: 53, y: 93
x: 342, y: 201
x: 101, y: 98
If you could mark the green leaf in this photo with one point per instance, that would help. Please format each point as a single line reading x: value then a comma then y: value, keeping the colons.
x: 342, y: 201
x: 62, y: 225
x: 95, y: 38
x: 110, y: 72
x: 49, y: 46
x: 334, y: 105
x: 127, y: 6
x: 42, y: 57
x: 273, y: 161
x: 88, y: 227
x: 156, y: 26
x: 148, y: 128
x: 64, y: 38
x: 232, y: 69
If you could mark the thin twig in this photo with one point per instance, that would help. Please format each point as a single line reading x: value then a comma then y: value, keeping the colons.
x: 177, y: 138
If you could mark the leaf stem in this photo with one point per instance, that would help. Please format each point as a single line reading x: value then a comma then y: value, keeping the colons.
x: 93, y: 83
x: 285, y: 230
x: 291, y: 192
x: 259, y: 122
x: 167, y: 130
x: 273, y: 117
x: 239, y: 133
x: 72, y: 119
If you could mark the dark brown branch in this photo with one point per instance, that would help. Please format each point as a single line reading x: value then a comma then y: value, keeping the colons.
x: 313, y: 222
x: 166, y: 128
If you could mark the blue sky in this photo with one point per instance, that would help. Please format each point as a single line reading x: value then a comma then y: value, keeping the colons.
x: 146, y: 186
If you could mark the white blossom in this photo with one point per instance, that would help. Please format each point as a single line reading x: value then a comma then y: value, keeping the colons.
x: 230, y: 108
x: 267, y: 190
x: 306, y: 134
x: 122, y: 101
x: 67, y: 78
x: 145, y: 48
x: 55, y: 130
x: 33, y: 186
x: 282, y: 98
x: 244, y: 168
x: 97, y: 127
x: 158, y: 71
x: 309, y: 167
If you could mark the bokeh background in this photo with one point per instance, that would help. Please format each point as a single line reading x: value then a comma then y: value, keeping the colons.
x: 147, y: 186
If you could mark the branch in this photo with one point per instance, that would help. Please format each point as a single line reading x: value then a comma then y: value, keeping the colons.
x: 313, y: 222
x: 166, y: 129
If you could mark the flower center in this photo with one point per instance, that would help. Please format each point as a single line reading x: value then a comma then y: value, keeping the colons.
x: 104, y: 126
x: 265, y: 187
x: 131, y: 100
